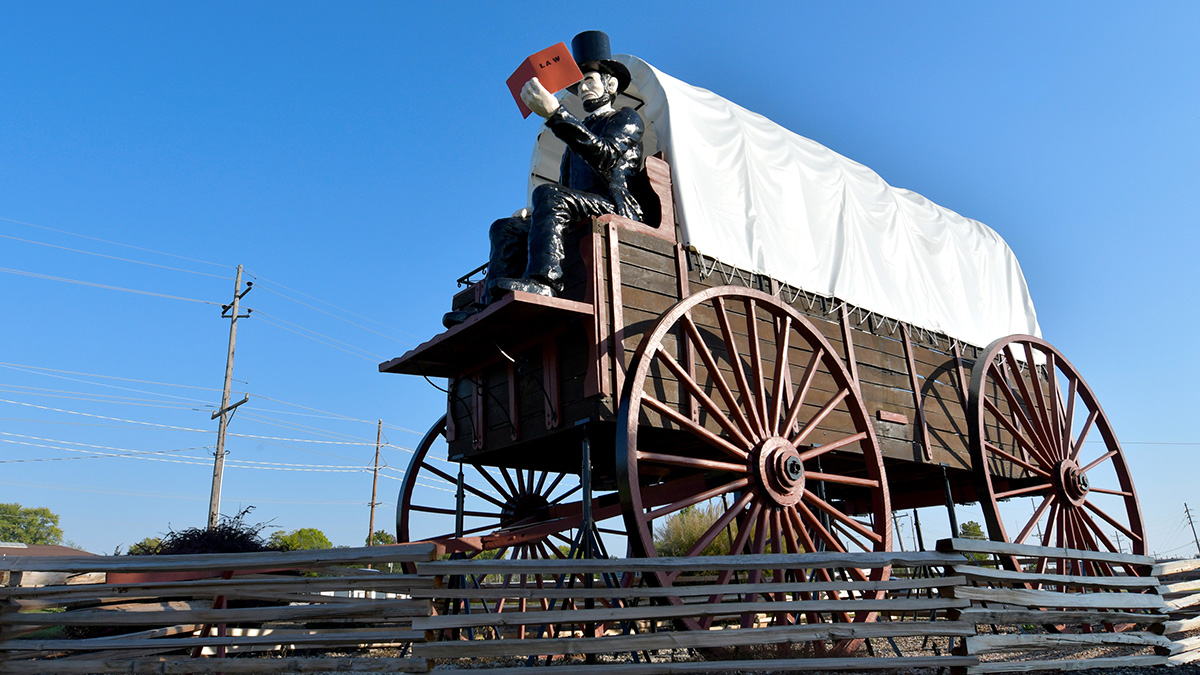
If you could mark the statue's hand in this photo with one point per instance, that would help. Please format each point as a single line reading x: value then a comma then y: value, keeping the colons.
x: 538, y: 98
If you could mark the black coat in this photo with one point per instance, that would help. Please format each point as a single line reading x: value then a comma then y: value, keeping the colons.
x: 603, y: 154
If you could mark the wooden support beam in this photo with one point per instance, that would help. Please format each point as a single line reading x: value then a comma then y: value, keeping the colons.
x: 921, y: 430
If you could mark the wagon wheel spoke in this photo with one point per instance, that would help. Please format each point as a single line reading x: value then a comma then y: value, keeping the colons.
x: 1083, y: 434
x: 1040, y: 411
x: 739, y: 373
x: 997, y: 415
x: 1041, y: 487
x: 710, y: 406
x: 997, y: 450
x: 717, y: 378
x: 1030, y: 406
x: 693, y: 428
x: 699, y: 497
x: 454, y: 481
x: 1033, y: 521
x: 713, y: 531
x: 831, y: 446
x: 810, y: 374
x: 820, y: 417
x: 781, y: 376
x: 487, y: 476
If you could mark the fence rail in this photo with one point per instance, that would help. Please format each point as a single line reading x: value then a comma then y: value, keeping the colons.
x: 793, y: 612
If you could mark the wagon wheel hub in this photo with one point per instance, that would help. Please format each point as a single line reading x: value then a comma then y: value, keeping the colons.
x: 780, y: 471
x: 1072, y: 482
x: 522, y: 506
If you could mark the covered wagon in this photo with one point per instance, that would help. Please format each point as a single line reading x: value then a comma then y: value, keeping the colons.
x: 787, y: 345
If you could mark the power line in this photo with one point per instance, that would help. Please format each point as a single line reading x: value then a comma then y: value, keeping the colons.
x: 304, y: 428
x: 111, y: 257
x: 326, y: 412
x: 356, y: 325
x: 96, y: 456
x: 115, y: 243
x: 94, y: 284
x: 327, y: 303
x: 106, y: 377
x: 96, y: 398
x: 84, y: 395
x: 102, y: 417
x: 297, y: 329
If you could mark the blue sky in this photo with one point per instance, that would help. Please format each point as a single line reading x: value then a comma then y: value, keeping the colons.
x: 350, y: 157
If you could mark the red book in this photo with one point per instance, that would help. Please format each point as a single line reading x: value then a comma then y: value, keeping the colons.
x: 554, y: 67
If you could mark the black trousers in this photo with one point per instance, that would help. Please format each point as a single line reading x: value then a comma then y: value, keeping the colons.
x: 533, y: 248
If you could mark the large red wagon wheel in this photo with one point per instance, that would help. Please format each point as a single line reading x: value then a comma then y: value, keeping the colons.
x: 507, y: 514
x: 1037, y: 431
x: 764, y: 435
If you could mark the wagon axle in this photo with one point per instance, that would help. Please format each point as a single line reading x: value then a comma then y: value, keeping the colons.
x: 1071, y: 482
x: 780, y: 471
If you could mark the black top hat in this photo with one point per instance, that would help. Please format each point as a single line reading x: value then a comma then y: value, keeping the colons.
x: 592, y: 52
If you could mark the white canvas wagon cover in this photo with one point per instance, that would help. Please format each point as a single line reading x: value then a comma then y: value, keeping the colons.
x: 755, y: 195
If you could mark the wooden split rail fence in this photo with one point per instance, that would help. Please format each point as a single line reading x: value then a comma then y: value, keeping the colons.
x: 139, y: 607
x: 165, y: 614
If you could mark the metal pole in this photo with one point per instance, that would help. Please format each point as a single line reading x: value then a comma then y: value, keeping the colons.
x: 586, y: 479
x: 460, y: 501
x: 950, y: 503
x: 214, y: 503
x: 375, y: 483
x: 896, y: 526
x: 917, y: 526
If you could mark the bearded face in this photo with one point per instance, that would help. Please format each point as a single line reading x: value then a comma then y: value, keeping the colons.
x: 597, y: 90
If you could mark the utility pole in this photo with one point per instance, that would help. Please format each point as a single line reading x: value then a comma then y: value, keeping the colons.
x: 375, y: 482
x: 230, y: 312
x: 1194, y: 537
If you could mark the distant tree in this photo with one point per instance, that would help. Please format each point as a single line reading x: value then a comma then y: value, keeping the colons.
x: 971, y: 530
x: 147, y: 546
x: 303, y: 539
x: 681, y: 530
x: 32, y: 525
x: 381, y: 538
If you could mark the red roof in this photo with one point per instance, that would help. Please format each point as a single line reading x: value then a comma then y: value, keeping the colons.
x: 7, y: 549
